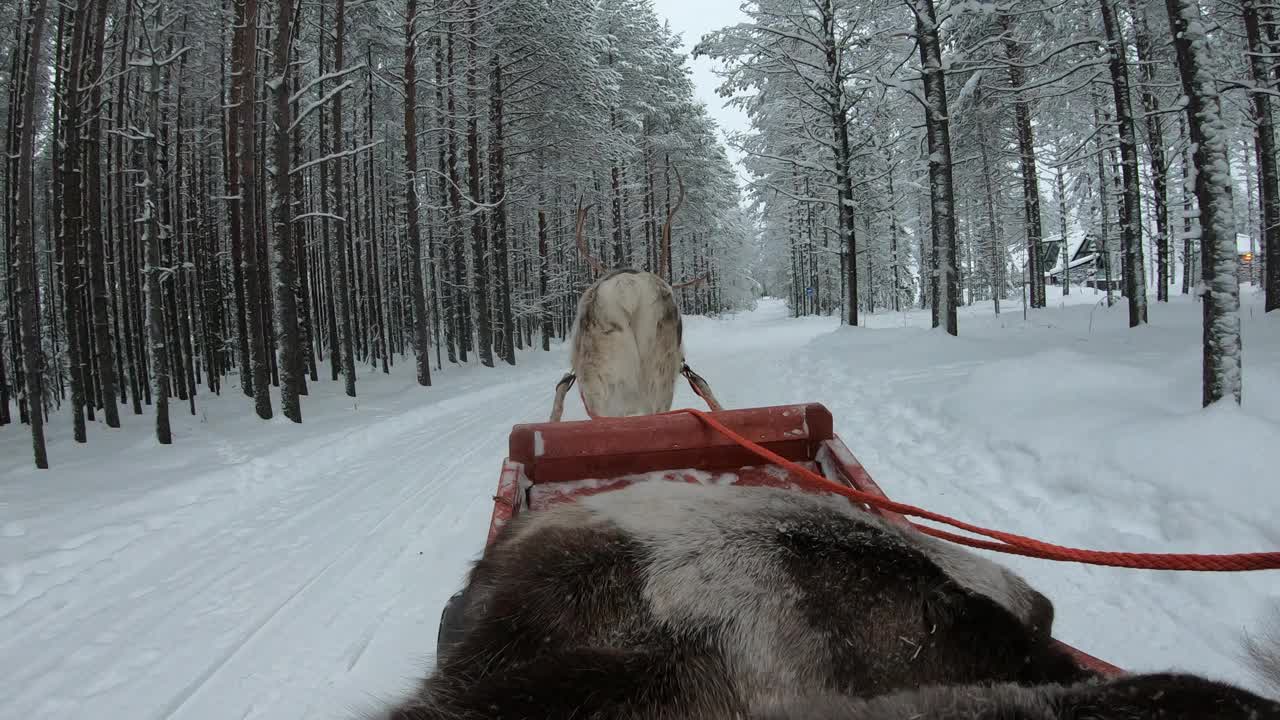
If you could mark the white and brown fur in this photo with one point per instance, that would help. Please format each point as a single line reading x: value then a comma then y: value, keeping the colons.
x: 628, y: 340
x: 668, y: 601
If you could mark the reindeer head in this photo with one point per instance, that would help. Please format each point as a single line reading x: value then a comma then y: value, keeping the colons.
x: 628, y: 343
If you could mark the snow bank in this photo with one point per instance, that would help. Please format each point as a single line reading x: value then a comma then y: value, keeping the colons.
x: 1074, y: 429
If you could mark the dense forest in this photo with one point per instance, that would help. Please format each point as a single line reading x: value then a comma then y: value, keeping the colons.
x: 966, y: 151
x: 236, y: 195
x: 233, y: 195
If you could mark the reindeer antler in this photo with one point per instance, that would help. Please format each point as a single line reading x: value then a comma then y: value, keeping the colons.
x: 595, y: 264
x: 664, y: 252
x: 691, y: 283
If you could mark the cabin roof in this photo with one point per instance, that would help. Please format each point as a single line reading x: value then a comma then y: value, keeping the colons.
x: 1076, y: 239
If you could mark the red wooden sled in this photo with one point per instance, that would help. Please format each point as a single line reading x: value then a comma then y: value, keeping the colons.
x: 552, y: 463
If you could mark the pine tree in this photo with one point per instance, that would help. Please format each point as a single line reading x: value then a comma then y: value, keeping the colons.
x: 1221, y: 297
x: 419, y: 299
x: 286, y: 298
x: 27, y: 297
x: 1131, y: 209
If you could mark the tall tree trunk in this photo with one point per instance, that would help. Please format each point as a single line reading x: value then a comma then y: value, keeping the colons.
x: 374, y: 271
x: 543, y: 304
x: 421, y: 349
x: 125, y: 268
x: 479, y: 261
x: 940, y: 183
x: 181, y: 280
x: 156, y: 332
x: 71, y: 174
x: 1062, y: 225
x: 988, y: 180
x: 1188, y: 194
x: 497, y: 193
x: 1131, y: 211
x: 264, y: 245
x: 231, y: 166
x: 1264, y: 136
x: 28, y: 293
x: 5, y: 418
x: 893, y: 254
x: 1027, y: 159
x: 843, y: 157
x: 444, y: 159
x: 341, y: 285
x: 327, y: 250
x: 306, y: 311
x: 1104, y: 205
x: 292, y: 369
x: 13, y: 121
x: 1221, y: 297
x: 1155, y: 145
x: 244, y: 66
x: 457, y: 241
x: 100, y: 302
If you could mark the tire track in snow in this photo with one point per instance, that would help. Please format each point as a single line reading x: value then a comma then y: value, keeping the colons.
x: 408, y: 507
x: 187, y: 582
x: 256, y: 467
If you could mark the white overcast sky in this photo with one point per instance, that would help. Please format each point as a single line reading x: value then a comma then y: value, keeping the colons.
x: 691, y: 19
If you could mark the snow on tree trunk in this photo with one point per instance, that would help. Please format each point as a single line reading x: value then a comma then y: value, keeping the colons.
x: 244, y: 70
x: 286, y: 276
x: 1131, y: 210
x: 479, y: 261
x: 1220, y: 290
x: 341, y: 281
x: 1155, y: 145
x: 104, y: 356
x: 156, y: 333
x: 940, y: 183
x: 461, y: 307
x: 544, y: 310
x: 893, y: 252
x: 1104, y: 207
x: 1189, y: 269
x: 231, y: 167
x: 71, y: 207
x: 843, y: 154
x: 1266, y: 144
x: 1027, y: 161
x: 995, y: 241
x: 417, y: 292
x: 497, y: 198
x: 24, y: 256
x: 1062, y: 228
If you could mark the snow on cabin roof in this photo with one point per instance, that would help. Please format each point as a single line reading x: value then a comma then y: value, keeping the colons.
x: 1245, y: 244
x: 1017, y: 250
x: 1075, y: 239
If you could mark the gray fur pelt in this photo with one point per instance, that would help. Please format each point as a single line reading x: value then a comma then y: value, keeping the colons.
x: 664, y: 601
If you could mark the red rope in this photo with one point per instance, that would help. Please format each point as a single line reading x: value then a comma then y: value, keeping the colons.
x: 1008, y: 542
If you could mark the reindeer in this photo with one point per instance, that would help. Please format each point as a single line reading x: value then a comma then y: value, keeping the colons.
x: 628, y: 338
x: 671, y: 601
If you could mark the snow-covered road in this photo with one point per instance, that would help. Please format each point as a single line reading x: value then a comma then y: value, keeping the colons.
x: 262, y: 569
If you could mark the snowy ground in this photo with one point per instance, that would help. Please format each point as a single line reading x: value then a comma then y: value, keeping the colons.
x: 261, y: 569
